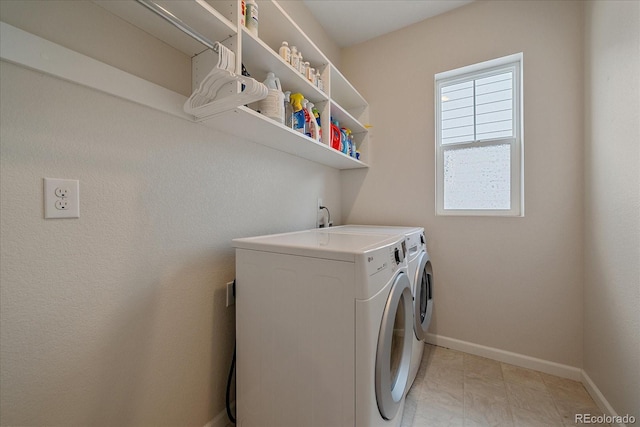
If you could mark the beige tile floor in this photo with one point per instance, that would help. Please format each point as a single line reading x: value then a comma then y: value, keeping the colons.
x: 459, y: 389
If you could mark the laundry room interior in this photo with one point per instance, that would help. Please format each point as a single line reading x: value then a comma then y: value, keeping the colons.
x: 124, y: 315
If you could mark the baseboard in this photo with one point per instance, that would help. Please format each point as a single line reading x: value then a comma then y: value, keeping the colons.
x: 599, y: 398
x: 553, y: 368
x: 222, y: 419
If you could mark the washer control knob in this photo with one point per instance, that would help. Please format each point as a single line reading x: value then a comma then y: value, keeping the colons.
x: 399, y: 256
x: 422, y: 239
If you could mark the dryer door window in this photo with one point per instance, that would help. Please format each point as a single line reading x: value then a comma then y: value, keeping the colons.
x: 393, y: 358
x: 423, y: 302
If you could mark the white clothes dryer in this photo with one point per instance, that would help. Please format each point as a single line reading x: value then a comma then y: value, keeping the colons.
x: 421, y: 275
x: 323, y: 325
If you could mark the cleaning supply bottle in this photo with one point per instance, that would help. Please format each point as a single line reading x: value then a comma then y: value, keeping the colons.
x: 285, y: 52
x: 352, y: 145
x: 316, y: 115
x: 273, y: 105
x: 312, y: 124
x: 251, y: 18
x: 300, y: 62
x: 344, y: 146
x: 295, y: 58
x: 335, y: 134
x: 298, y: 112
x: 288, y: 110
x: 307, y: 117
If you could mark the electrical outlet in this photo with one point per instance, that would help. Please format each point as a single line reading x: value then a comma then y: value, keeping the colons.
x: 61, y: 198
x: 231, y: 298
x: 62, y: 192
x: 62, y: 204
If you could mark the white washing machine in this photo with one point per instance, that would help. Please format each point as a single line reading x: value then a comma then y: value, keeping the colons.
x: 421, y: 275
x: 321, y: 322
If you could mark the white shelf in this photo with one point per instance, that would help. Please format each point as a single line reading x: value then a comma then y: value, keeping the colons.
x: 203, y: 18
x: 346, y: 119
x: 344, y: 93
x: 276, y: 26
x: 259, y: 59
x: 265, y: 131
x: 217, y: 20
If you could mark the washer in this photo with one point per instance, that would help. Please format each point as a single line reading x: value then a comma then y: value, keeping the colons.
x: 320, y: 329
x: 420, y: 272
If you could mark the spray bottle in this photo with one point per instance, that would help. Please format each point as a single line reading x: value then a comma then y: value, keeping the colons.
x: 316, y: 115
x: 298, y: 112
x: 312, y: 124
x: 288, y: 110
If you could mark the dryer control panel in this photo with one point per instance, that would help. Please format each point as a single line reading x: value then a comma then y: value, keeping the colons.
x: 415, y: 242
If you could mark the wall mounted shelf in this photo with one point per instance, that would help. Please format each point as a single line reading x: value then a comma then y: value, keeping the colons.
x: 217, y: 21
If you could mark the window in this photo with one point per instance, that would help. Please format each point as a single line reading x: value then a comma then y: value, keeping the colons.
x: 479, y: 156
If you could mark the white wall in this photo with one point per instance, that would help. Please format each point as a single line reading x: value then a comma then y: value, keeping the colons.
x: 118, y: 318
x: 90, y: 30
x: 509, y: 283
x: 612, y: 227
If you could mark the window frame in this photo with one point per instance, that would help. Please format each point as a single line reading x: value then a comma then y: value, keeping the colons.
x: 512, y: 63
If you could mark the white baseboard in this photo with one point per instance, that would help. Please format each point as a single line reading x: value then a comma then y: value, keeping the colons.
x: 553, y: 368
x: 598, y: 397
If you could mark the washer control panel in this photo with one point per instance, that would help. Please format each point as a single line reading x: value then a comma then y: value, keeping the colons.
x: 391, y: 257
x: 400, y: 253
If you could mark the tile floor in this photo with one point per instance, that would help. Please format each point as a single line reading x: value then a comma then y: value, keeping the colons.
x: 459, y: 389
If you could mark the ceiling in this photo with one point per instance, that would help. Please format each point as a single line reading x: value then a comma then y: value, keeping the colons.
x: 350, y: 22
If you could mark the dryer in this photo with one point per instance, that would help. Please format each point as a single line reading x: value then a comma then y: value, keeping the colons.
x: 323, y: 329
x: 421, y: 274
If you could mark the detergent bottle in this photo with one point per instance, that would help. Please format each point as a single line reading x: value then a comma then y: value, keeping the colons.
x: 335, y: 134
x: 298, y: 112
x: 273, y: 105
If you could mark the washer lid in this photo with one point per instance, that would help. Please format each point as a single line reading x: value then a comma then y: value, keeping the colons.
x: 378, y: 229
x: 318, y: 243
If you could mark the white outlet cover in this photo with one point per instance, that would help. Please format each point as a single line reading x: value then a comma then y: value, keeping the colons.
x: 70, y: 187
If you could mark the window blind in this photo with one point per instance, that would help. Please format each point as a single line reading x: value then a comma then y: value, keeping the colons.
x: 478, y: 109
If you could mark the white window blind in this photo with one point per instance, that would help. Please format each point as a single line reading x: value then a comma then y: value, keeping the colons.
x: 478, y: 139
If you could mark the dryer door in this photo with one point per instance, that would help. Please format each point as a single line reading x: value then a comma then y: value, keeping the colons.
x: 393, y: 358
x: 423, y: 302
